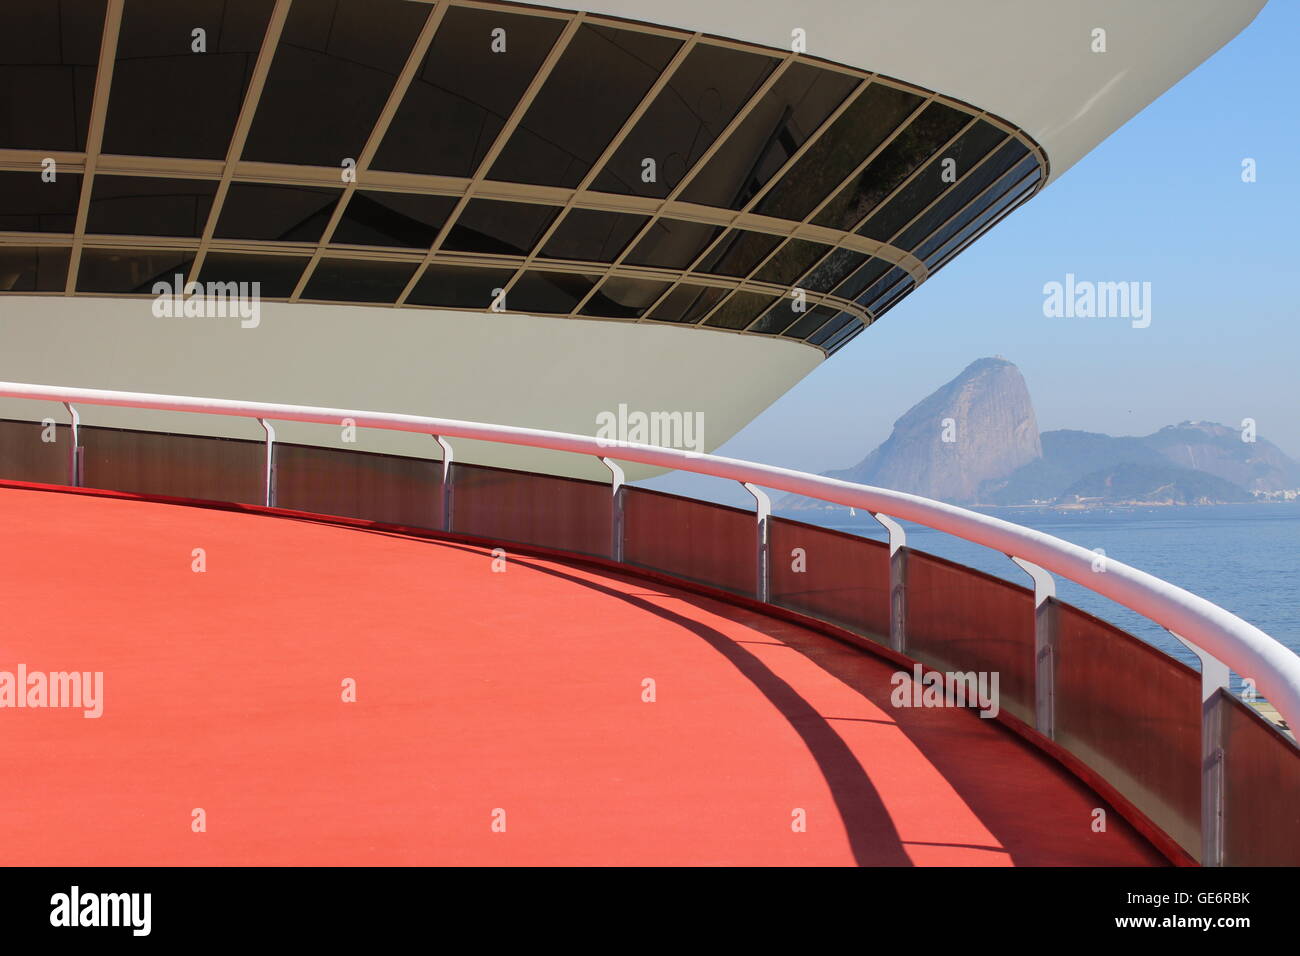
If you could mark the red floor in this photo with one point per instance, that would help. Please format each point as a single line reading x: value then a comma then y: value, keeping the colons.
x: 476, y: 692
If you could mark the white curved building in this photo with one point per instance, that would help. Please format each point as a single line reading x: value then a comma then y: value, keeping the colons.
x: 523, y: 214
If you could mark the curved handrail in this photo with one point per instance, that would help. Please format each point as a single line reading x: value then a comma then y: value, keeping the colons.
x: 1241, y: 645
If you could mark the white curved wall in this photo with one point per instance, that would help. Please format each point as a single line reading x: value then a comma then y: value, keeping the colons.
x: 506, y: 369
x: 1028, y: 61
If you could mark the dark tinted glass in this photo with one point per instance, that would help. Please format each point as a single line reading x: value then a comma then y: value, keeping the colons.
x: 687, y: 303
x: 855, y: 284
x: 459, y: 286
x: 592, y: 235
x: 778, y: 318
x: 282, y: 213
x: 499, y: 228
x: 355, y: 280
x: 686, y: 117
x: 49, y: 51
x: 998, y: 192
x: 842, y: 337
x: 28, y: 204
x: 601, y: 77
x: 891, y: 297
x: 831, y: 271
x: 33, y: 269
x: 831, y: 328
x: 555, y: 292
x: 812, y: 320
x: 622, y: 298
x: 130, y: 270
x: 953, y: 162
x: 136, y: 206
x: 409, y: 220
x: 277, y: 275
x: 465, y: 92
x: 169, y: 100
x: 672, y: 244
x: 739, y: 252
x: 881, y: 285
x: 739, y: 310
x: 795, y: 258
x: 796, y: 106
x: 912, y: 147
x: 334, y: 67
x: 962, y: 193
x: 876, y: 113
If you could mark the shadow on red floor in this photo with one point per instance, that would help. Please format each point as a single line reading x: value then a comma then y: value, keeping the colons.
x: 500, y: 716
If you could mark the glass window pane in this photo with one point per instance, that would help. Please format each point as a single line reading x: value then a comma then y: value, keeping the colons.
x: 687, y: 303
x: 705, y: 92
x: 499, y: 228
x: 281, y: 213
x: 740, y: 310
x: 879, y: 287
x: 549, y: 292
x: 842, y: 338
x: 592, y: 235
x: 131, y: 270
x: 138, y: 206
x: 168, y: 100
x: 739, y: 252
x: 602, y: 76
x: 998, y: 193
x: 459, y: 287
x: 673, y: 244
x: 33, y: 268
x: 962, y: 193
x: 622, y: 298
x: 49, y: 52
x: 831, y: 327
x: 794, y: 259
x: 778, y: 318
x: 953, y: 162
x: 29, y: 204
x: 409, y: 220
x: 796, y: 106
x: 334, y: 67
x: 912, y: 147
x: 356, y: 280
x: 465, y: 91
x: 813, y: 320
x: 277, y: 275
x: 862, y: 127
x: 832, y: 270
x: 853, y: 286
x: 892, y: 297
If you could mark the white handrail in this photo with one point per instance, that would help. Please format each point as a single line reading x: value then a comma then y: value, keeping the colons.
x: 1245, y: 648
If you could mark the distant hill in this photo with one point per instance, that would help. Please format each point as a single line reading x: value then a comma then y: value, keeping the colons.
x: 975, y: 440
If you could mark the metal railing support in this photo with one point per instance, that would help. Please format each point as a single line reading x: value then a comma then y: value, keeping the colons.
x: 447, y: 500
x: 897, y: 581
x: 270, y: 462
x: 762, y: 567
x: 1045, y: 653
x: 76, y: 472
x: 617, y: 478
x: 1215, y: 681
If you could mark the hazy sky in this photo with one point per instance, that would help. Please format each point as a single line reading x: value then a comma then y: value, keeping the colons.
x: 1160, y: 201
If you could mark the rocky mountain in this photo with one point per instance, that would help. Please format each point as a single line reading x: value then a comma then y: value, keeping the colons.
x: 977, y: 428
x: 976, y: 441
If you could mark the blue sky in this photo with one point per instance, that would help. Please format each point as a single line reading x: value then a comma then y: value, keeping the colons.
x: 1161, y: 200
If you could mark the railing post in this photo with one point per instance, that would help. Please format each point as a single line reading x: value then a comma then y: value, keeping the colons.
x: 270, y: 462
x: 762, y: 568
x: 615, y: 508
x: 76, y: 472
x: 1045, y: 637
x: 447, y: 500
x: 1215, y: 682
x: 897, y: 582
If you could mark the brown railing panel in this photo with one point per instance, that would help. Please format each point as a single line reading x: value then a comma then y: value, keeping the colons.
x: 183, y: 466
x: 959, y: 619
x: 1133, y: 714
x: 355, y: 484
x: 25, y: 457
x: 696, y: 540
x: 563, y: 513
x: 1261, y: 791
x: 844, y: 578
